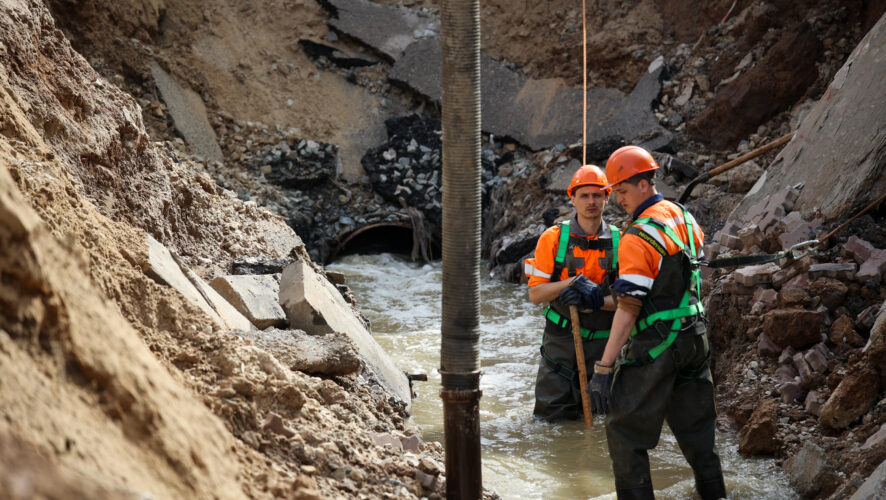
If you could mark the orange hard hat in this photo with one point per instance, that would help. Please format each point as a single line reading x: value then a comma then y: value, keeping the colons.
x: 588, y: 175
x: 626, y: 162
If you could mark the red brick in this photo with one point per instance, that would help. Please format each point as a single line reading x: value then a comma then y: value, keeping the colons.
x: 751, y: 236
x: 787, y: 356
x: 785, y: 373
x: 858, y: 249
x: 873, y: 268
x: 817, y: 361
x: 767, y: 296
x: 813, y: 404
x: 766, y: 347
x: 790, y: 392
x: 806, y: 374
x: 756, y: 275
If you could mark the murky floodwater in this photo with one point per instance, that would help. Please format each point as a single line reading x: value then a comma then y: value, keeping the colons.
x: 521, y: 458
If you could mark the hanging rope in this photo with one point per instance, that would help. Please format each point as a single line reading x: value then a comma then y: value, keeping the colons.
x: 584, y: 87
x: 729, y: 12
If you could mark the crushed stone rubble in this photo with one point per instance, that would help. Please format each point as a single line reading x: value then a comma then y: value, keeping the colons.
x: 407, y: 169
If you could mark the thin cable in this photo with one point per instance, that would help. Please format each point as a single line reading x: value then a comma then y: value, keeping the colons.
x: 584, y: 88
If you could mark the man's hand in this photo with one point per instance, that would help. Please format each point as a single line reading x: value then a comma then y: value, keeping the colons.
x: 599, y: 389
x: 583, y: 293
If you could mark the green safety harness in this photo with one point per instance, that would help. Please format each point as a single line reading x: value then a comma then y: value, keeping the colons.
x: 685, y: 309
x: 566, y: 258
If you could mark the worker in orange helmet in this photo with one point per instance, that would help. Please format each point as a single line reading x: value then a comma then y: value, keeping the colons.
x: 573, y: 264
x: 662, y: 371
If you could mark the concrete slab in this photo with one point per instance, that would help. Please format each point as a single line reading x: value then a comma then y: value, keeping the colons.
x: 230, y: 316
x: 255, y: 296
x: 842, y: 271
x: 387, y: 28
x: 330, y: 355
x: 163, y: 268
x: 314, y: 305
x: 539, y: 113
x: 188, y: 113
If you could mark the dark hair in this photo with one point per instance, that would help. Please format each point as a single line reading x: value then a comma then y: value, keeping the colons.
x: 648, y: 176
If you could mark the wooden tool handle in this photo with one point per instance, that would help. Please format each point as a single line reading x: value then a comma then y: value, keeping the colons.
x: 753, y: 154
x: 582, y: 369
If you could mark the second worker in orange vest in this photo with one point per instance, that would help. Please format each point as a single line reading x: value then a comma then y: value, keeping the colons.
x: 663, y: 371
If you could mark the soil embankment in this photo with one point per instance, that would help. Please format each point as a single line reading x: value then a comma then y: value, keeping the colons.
x: 106, y: 370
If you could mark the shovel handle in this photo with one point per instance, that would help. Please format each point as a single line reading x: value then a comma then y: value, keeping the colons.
x: 582, y: 369
x: 734, y: 163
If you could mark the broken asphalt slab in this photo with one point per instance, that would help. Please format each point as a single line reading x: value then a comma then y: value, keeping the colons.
x: 537, y: 113
x: 541, y: 113
x: 387, y: 29
x: 337, y: 56
x: 188, y: 113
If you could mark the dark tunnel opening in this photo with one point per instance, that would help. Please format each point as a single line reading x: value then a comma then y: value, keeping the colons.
x: 380, y: 238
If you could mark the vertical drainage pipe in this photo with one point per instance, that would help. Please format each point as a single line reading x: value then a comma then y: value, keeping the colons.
x: 460, y: 349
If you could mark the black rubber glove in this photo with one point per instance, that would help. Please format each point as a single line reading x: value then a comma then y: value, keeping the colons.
x: 570, y: 296
x: 583, y: 293
x: 601, y: 401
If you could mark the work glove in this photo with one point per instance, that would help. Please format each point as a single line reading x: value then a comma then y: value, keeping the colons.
x: 583, y: 293
x: 599, y: 389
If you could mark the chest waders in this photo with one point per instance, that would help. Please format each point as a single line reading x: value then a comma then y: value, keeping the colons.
x: 556, y: 312
x: 676, y: 293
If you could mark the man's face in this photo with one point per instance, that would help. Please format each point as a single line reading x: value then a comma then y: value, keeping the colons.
x: 629, y: 196
x: 589, y: 201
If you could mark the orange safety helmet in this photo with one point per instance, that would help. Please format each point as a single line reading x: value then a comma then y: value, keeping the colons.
x: 588, y: 175
x: 626, y: 162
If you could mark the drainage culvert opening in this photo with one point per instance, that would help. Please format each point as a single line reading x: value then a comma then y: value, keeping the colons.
x: 386, y: 237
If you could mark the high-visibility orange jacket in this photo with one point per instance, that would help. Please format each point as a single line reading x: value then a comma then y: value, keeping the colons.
x: 639, y: 261
x: 591, y: 262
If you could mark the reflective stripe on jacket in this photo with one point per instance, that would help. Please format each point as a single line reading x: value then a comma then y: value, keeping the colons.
x: 540, y: 267
x: 592, y: 256
x: 640, y: 255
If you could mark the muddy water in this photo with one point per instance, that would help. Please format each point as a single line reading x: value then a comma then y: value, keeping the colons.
x: 521, y: 458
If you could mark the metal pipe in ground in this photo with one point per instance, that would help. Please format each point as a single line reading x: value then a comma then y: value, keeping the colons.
x: 460, y: 349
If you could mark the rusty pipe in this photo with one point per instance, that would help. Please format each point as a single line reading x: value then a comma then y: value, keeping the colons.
x: 460, y: 343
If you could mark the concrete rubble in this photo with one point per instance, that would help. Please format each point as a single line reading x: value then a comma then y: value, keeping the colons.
x: 256, y: 297
x: 810, y: 470
x: 314, y: 305
x: 812, y: 323
x: 163, y: 268
x: 330, y: 355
